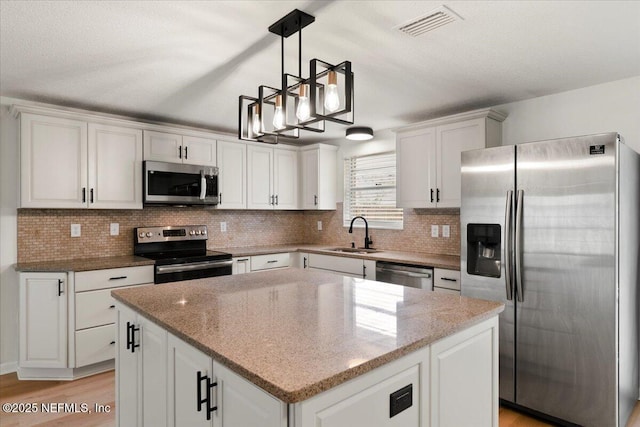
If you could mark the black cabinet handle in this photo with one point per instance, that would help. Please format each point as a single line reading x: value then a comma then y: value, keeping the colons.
x: 131, y: 337
x: 220, y: 198
x: 272, y: 261
x: 448, y: 279
x: 112, y: 343
x: 91, y: 197
x: 432, y: 195
x: 207, y: 399
x: 243, y: 259
x: 364, y: 271
x: 186, y: 152
x: 271, y: 199
x: 304, y: 262
x: 112, y: 306
x: 60, y: 287
x: 117, y: 278
x: 276, y: 200
x: 84, y: 195
x: 180, y: 152
x: 438, y: 195
x: 315, y: 200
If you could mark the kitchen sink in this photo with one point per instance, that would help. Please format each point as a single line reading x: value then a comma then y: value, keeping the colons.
x: 354, y: 250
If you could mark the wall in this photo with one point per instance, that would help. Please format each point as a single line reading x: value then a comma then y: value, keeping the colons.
x: 8, y: 239
x: 608, y: 107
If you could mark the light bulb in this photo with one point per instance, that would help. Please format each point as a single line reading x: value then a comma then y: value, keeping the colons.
x: 331, y: 98
x: 304, y: 109
x: 278, y: 116
x: 255, y: 122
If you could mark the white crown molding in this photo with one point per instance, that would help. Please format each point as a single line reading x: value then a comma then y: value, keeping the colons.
x: 468, y: 115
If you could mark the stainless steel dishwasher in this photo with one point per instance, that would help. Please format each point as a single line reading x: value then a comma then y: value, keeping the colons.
x: 414, y: 276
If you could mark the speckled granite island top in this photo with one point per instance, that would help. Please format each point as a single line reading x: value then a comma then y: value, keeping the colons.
x: 84, y: 264
x: 296, y: 333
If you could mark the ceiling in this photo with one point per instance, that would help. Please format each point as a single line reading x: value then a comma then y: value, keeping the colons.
x: 186, y: 62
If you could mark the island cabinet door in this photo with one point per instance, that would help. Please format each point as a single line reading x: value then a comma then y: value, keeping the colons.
x: 244, y: 404
x: 191, y: 389
x: 464, y: 377
x: 141, y: 371
x: 128, y: 371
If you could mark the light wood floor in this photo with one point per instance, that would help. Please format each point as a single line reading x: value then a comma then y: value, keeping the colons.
x: 100, y: 389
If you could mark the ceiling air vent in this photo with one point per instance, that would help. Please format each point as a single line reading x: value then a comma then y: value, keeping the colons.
x: 432, y: 20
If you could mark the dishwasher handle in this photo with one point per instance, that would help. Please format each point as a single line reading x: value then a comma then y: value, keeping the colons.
x: 404, y: 273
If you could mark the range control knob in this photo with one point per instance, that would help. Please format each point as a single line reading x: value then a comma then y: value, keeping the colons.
x: 203, y: 232
x: 197, y: 232
x: 192, y: 232
x: 141, y: 235
x: 149, y: 234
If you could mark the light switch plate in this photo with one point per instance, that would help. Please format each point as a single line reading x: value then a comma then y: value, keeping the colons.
x: 114, y: 229
x: 434, y: 231
x: 319, y: 225
x: 446, y: 231
x: 76, y: 230
x: 223, y: 226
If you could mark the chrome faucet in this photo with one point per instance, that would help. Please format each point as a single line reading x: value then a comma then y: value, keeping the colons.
x: 367, y: 240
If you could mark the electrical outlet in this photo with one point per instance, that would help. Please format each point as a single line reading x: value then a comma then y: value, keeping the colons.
x: 114, y: 229
x: 434, y: 231
x: 76, y: 230
x: 223, y: 226
x: 446, y: 231
x: 319, y: 225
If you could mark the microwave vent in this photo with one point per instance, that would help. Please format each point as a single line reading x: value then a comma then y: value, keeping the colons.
x: 429, y: 22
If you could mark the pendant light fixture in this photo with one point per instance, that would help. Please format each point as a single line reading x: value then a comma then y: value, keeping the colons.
x: 301, y: 103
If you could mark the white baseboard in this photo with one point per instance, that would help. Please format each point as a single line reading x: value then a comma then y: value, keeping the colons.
x: 8, y: 367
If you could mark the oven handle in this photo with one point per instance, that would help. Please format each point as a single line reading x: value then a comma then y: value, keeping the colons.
x: 164, y: 269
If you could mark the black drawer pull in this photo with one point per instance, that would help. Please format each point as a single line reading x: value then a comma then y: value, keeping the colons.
x: 112, y: 306
x: 272, y: 261
x: 448, y: 279
x: 112, y: 343
x: 117, y: 278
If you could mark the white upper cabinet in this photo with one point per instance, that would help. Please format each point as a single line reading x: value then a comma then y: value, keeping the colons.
x: 232, y: 158
x: 74, y: 164
x: 272, y: 178
x: 53, y: 162
x: 318, y: 171
x: 428, y: 156
x: 175, y: 148
x: 115, y: 167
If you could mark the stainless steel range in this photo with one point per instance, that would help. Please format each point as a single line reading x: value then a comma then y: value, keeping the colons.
x: 180, y: 253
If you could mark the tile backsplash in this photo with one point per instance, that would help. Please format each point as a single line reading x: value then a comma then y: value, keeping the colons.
x: 44, y: 234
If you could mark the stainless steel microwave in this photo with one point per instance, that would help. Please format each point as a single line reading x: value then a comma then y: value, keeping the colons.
x: 179, y: 184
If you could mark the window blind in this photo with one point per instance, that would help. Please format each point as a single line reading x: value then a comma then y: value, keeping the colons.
x: 370, y: 190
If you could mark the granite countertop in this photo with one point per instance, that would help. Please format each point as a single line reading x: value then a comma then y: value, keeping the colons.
x: 84, y: 264
x: 450, y: 262
x: 296, y: 333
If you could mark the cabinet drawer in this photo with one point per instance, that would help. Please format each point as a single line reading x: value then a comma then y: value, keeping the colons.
x: 449, y: 279
x: 446, y: 291
x: 264, y: 262
x: 337, y: 264
x: 95, y: 345
x: 94, y: 308
x: 113, y: 278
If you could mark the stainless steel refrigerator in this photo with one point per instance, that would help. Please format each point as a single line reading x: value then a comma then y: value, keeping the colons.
x: 551, y: 229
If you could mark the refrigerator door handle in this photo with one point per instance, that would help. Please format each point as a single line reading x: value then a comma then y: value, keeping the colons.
x: 507, y: 246
x: 518, y: 247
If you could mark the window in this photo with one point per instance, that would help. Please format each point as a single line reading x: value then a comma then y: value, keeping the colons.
x: 370, y: 191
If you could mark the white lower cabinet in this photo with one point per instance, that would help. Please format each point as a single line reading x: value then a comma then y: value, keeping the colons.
x: 464, y: 377
x: 248, y: 264
x: 141, y: 371
x: 163, y: 381
x: 354, y: 267
x: 43, y: 320
x: 446, y: 281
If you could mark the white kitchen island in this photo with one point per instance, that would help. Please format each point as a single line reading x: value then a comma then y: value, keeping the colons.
x: 298, y: 348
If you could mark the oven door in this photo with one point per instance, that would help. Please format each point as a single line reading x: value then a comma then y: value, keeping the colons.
x: 192, y: 270
x: 178, y: 184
